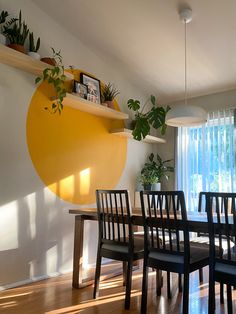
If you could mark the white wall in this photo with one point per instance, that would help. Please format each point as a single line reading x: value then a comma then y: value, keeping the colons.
x: 36, y: 231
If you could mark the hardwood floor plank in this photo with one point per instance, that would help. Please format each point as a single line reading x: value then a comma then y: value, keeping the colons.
x: 56, y: 296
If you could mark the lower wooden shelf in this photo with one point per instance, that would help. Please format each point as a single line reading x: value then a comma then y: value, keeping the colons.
x: 128, y: 133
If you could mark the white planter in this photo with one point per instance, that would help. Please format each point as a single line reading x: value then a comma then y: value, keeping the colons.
x: 34, y: 55
x: 156, y: 186
x: 3, y: 39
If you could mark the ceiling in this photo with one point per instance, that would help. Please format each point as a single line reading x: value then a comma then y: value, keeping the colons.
x: 146, y: 39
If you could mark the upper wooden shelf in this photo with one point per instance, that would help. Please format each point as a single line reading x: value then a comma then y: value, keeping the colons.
x: 81, y: 104
x: 24, y: 62
x: 148, y: 139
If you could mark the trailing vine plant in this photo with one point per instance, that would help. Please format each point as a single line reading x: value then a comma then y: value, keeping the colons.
x: 55, y: 76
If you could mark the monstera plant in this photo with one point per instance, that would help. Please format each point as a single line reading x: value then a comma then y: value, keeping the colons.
x: 143, y: 120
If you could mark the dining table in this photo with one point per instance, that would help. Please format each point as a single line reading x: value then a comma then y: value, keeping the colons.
x: 197, y: 222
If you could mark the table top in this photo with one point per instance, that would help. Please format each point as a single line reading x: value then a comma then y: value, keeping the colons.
x: 192, y: 216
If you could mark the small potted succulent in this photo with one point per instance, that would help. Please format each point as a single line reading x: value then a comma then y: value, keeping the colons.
x: 108, y: 93
x: 33, y: 48
x: 3, y: 18
x: 16, y: 32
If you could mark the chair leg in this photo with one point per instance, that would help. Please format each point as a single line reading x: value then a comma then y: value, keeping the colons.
x: 168, y: 285
x: 180, y: 283
x: 128, y: 284
x: 201, y: 275
x: 97, y: 275
x: 221, y: 293
x: 186, y: 293
x: 158, y: 282
x: 144, y: 288
x: 124, y: 272
x: 229, y: 300
x: 211, y: 293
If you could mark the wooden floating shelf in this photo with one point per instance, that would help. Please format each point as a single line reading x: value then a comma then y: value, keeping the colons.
x: 24, y: 62
x: 81, y: 104
x: 148, y: 139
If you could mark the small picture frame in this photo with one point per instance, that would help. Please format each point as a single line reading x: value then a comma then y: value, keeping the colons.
x: 94, y: 88
x: 80, y: 89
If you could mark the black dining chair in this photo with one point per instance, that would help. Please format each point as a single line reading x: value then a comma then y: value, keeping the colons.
x: 202, y: 239
x: 116, y: 239
x: 221, y: 212
x: 172, y: 252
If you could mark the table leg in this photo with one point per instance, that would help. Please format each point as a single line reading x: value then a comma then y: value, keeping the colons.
x: 78, y: 252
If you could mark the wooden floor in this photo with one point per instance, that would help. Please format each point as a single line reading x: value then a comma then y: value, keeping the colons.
x: 56, y: 296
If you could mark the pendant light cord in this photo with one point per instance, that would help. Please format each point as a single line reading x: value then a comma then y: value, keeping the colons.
x: 185, y: 56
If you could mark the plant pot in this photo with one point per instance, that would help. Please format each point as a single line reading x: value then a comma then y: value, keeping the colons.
x: 147, y: 187
x: 3, y: 39
x: 156, y: 186
x: 110, y: 104
x: 50, y: 61
x: 104, y: 104
x: 19, y: 48
x: 34, y: 55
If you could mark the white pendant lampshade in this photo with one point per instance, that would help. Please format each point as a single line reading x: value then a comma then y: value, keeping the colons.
x: 186, y: 115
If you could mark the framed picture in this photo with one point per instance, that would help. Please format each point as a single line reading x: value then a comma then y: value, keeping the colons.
x: 80, y: 89
x: 94, y: 89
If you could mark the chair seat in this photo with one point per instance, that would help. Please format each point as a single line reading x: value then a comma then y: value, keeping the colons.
x: 204, y: 241
x: 138, y: 246
x: 196, y: 254
x: 225, y: 268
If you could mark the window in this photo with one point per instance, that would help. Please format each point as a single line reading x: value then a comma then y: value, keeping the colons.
x: 206, y: 157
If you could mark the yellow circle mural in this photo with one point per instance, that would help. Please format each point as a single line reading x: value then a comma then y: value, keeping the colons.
x: 73, y: 153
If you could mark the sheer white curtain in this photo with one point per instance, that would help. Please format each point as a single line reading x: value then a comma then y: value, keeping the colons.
x: 206, y: 157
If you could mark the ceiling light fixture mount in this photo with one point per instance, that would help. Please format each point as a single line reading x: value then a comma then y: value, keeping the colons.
x: 186, y: 115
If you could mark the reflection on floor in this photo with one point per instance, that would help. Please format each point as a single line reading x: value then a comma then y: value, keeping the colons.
x: 55, y: 296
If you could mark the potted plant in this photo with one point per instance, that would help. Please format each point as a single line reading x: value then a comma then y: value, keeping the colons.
x: 55, y: 76
x: 154, y: 117
x: 147, y: 179
x: 3, y: 18
x: 16, y: 32
x: 33, y: 49
x: 158, y: 167
x: 109, y: 92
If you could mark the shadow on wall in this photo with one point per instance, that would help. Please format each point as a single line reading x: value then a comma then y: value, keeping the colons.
x: 36, y: 238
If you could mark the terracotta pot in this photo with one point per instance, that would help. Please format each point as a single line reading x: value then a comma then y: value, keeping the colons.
x: 110, y: 104
x: 17, y: 47
x: 50, y: 61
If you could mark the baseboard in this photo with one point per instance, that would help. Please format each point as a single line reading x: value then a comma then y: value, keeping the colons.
x: 33, y: 279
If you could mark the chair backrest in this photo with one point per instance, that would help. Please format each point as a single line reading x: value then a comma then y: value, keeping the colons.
x: 221, y: 212
x: 165, y: 221
x: 114, y: 216
x: 202, y: 202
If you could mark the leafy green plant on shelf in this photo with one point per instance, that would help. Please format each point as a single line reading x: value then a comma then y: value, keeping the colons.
x: 143, y: 121
x: 109, y: 92
x: 55, y: 75
x: 32, y: 46
x: 3, y: 18
x: 16, y: 32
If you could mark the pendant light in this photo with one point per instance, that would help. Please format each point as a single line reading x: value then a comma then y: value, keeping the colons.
x: 186, y: 115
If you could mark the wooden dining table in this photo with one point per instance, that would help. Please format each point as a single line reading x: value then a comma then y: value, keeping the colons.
x: 197, y: 222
